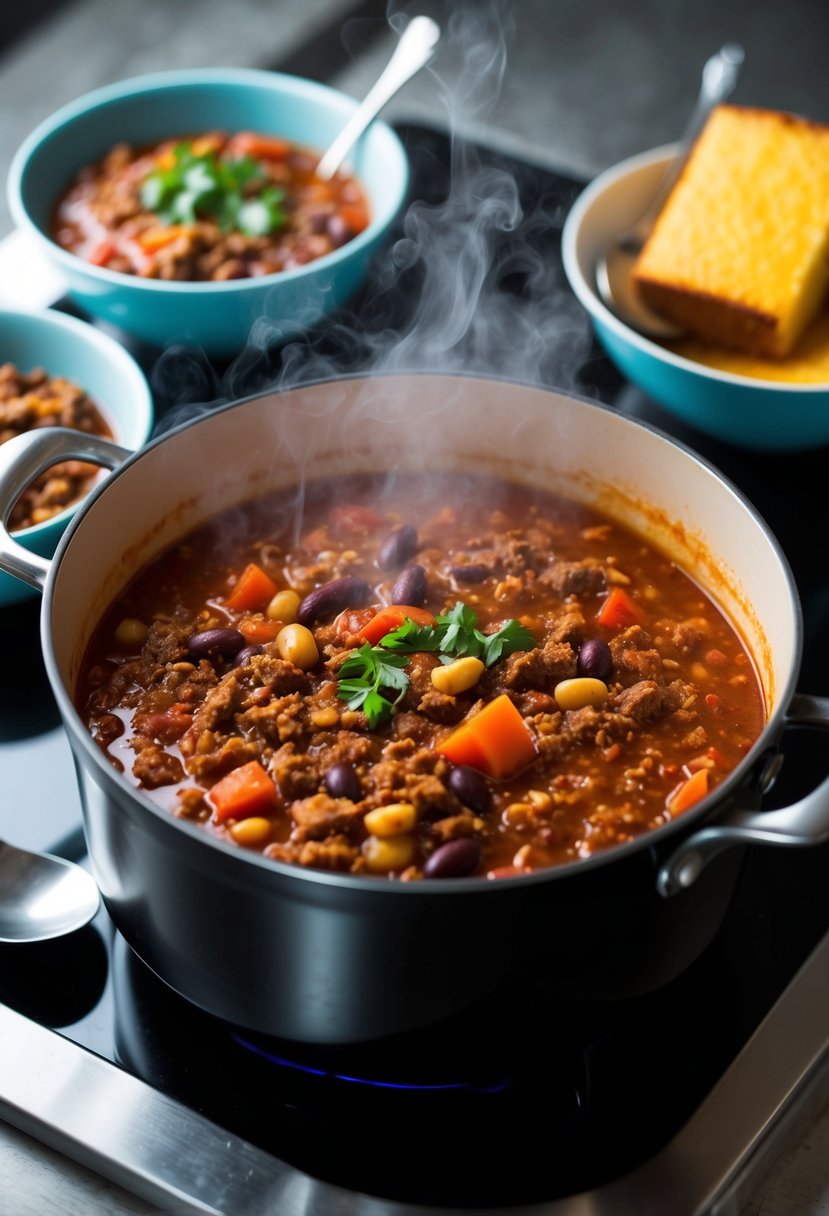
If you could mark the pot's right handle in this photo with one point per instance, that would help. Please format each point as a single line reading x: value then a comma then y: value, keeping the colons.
x: 803, y: 823
x: 22, y: 459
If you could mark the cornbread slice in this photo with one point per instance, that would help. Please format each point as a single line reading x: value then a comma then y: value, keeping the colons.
x: 740, y: 253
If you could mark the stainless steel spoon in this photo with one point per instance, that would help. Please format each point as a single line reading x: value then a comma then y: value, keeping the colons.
x: 42, y: 896
x: 613, y: 270
x: 414, y: 50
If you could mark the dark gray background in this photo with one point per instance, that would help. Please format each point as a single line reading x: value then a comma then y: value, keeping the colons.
x: 583, y: 82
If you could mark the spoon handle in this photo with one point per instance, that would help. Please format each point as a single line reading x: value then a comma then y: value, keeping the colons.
x: 719, y: 76
x: 413, y: 51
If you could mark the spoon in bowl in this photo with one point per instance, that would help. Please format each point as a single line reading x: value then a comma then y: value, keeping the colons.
x: 42, y: 896
x: 613, y: 269
x: 414, y: 50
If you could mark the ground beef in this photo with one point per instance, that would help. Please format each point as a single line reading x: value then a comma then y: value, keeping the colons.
x: 541, y: 668
x: 574, y: 578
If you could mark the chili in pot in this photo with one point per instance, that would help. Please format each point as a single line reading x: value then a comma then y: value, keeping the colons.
x: 439, y: 676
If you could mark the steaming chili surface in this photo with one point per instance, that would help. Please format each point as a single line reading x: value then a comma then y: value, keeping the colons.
x: 33, y: 399
x: 550, y: 687
x: 211, y: 207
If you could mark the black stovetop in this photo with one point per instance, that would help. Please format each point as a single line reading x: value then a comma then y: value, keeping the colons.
x: 556, y: 1100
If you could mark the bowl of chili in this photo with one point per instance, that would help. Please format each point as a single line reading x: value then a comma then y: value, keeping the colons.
x: 405, y: 725
x: 183, y: 206
x: 58, y: 371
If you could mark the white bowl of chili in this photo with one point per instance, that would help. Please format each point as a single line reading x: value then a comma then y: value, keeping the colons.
x: 183, y: 206
x: 58, y: 371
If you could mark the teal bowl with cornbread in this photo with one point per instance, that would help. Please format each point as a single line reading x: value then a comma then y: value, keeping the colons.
x: 219, y: 316
x: 746, y: 411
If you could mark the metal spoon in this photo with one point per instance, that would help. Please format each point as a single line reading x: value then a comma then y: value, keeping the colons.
x: 413, y: 51
x: 613, y: 270
x: 42, y: 896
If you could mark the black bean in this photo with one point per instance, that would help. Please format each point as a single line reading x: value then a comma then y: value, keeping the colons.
x: 595, y: 660
x: 398, y: 547
x: 332, y: 597
x: 224, y: 642
x: 341, y: 781
x: 410, y: 587
x: 469, y: 574
x: 247, y: 653
x: 471, y: 788
x: 455, y: 859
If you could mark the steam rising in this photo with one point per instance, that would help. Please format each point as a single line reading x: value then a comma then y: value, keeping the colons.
x: 472, y: 282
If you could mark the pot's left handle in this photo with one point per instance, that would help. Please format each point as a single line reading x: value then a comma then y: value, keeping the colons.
x: 22, y: 459
x: 803, y: 823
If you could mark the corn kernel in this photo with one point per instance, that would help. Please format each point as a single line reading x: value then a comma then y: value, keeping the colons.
x: 251, y: 832
x: 388, y: 853
x: 327, y: 716
x: 457, y: 677
x: 391, y: 820
x: 283, y: 607
x: 581, y: 691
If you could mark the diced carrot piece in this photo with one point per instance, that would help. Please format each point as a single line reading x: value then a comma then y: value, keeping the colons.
x: 619, y: 610
x: 245, y: 791
x: 253, y: 591
x: 153, y: 239
x: 101, y: 254
x: 392, y: 617
x: 354, y: 218
x: 256, y: 632
x: 213, y: 142
x: 496, y: 741
x: 260, y: 147
x: 689, y: 793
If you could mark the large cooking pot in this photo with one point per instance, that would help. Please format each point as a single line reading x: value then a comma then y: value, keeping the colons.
x: 336, y: 958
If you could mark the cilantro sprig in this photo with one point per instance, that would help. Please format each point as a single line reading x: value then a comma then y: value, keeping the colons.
x: 202, y: 185
x: 362, y: 677
x: 454, y: 635
x: 372, y: 670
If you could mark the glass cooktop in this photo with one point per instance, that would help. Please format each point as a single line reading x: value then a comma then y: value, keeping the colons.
x: 520, y: 1100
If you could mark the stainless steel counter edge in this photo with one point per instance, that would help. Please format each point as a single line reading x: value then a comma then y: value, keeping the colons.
x: 151, y: 1145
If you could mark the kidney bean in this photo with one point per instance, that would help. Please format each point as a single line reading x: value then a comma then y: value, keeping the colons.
x: 247, y: 653
x: 410, y: 587
x: 338, y: 230
x: 398, y: 547
x: 224, y: 642
x: 469, y: 574
x: 341, y: 781
x: 471, y: 788
x: 331, y: 598
x: 318, y: 221
x: 455, y: 859
x: 595, y: 660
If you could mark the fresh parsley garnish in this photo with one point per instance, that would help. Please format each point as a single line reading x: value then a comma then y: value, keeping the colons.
x: 454, y: 635
x: 364, y: 674
x: 204, y: 186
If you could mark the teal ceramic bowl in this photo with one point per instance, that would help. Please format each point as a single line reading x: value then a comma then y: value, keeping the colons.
x: 762, y: 415
x: 218, y: 317
x: 65, y: 346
